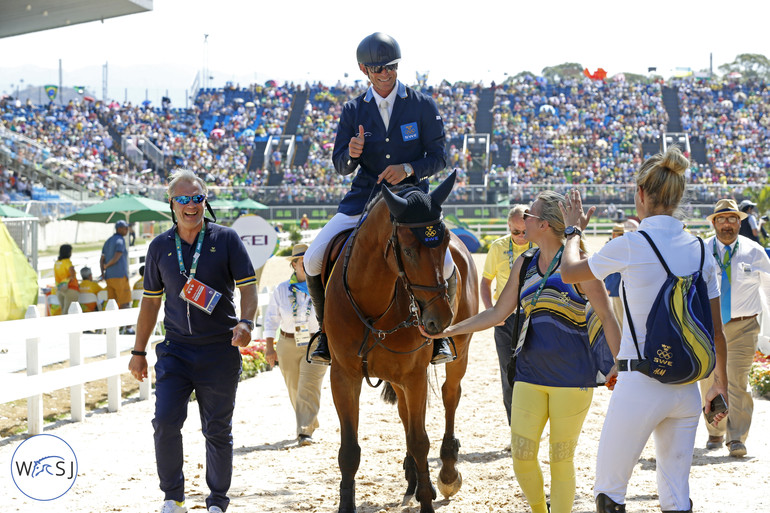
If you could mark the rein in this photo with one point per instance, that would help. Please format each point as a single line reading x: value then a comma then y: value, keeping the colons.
x: 414, y: 310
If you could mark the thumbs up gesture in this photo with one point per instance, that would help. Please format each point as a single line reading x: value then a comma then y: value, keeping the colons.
x: 356, y: 146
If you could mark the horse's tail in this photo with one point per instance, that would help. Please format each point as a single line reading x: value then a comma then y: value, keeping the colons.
x: 388, y: 394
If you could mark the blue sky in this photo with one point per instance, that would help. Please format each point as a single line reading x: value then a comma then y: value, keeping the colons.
x: 306, y: 40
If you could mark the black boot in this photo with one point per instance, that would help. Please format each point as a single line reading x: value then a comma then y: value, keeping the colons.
x: 606, y: 505
x: 442, y: 353
x: 321, y: 355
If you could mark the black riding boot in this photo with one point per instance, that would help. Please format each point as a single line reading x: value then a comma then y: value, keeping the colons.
x: 442, y: 353
x: 321, y: 354
x: 606, y: 505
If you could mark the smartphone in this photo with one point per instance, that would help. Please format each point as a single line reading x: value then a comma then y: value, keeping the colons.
x: 718, y: 405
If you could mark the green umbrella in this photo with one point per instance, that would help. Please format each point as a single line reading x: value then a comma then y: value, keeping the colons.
x: 250, y: 204
x: 9, y: 211
x: 128, y: 207
x: 223, y: 204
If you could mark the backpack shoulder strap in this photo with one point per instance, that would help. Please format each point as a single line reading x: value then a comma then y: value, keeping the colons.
x: 657, y: 253
x: 527, y: 257
x: 702, y: 253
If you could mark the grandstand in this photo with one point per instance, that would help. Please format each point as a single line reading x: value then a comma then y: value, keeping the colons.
x: 273, y: 142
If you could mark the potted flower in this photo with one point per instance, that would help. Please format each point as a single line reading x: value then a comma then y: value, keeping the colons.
x: 759, y: 375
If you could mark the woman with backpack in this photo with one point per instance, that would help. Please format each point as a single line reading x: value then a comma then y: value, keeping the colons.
x: 556, y: 367
x: 642, y: 404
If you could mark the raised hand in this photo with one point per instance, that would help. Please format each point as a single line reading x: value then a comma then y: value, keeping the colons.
x: 572, y: 210
x: 356, y: 146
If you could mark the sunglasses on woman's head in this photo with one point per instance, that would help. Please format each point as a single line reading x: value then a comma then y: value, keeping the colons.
x: 527, y: 214
x: 184, y: 200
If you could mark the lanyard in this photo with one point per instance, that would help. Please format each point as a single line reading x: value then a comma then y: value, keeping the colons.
x: 295, y: 304
x: 547, y: 275
x: 193, y: 267
x: 510, y: 252
x: 724, y: 266
x: 196, y: 256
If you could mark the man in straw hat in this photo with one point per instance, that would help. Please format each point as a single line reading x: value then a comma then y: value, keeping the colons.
x: 289, y: 322
x: 745, y: 268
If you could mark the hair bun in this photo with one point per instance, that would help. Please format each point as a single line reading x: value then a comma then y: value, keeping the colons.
x: 674, y: 160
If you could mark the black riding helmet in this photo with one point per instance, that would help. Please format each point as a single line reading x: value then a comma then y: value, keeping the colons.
x: 378, y: 49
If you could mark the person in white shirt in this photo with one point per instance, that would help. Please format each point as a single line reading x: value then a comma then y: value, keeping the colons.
x: 291, y: 320
x: 745, y: 269
x: 640, y: 405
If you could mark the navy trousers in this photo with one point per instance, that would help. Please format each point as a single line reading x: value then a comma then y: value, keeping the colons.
x: 212, y: 372
x: 503, y: 336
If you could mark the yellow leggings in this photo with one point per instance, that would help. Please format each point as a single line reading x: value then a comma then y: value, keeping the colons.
x: 532, y: 406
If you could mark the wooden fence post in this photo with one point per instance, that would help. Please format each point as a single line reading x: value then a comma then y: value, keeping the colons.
x: 113, y: 383
x: 34, y: 403
x: 77, y: 392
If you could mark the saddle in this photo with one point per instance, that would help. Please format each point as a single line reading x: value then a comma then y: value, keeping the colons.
x: 332, y: 254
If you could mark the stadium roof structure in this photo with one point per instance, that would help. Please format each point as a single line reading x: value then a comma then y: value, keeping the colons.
x: 24, y: 16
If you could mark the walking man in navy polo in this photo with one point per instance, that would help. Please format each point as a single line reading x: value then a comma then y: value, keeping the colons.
x: 197, y: 264
x: 391, y: 134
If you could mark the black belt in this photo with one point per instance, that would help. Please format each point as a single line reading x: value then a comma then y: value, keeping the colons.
x: 287, y: 335
x: 631, y: 365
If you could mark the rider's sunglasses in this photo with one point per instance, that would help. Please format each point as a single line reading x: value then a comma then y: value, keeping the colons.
x: 380, y: 69
x: 184, y: 200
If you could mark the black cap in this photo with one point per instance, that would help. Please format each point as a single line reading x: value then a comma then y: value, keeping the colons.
x: 378, y: 49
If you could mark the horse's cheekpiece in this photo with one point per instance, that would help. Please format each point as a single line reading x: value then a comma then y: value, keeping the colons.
x: 430, y: 236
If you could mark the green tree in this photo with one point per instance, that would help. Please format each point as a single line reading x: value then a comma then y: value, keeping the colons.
x: 565, y: 70
x: 750, y: 65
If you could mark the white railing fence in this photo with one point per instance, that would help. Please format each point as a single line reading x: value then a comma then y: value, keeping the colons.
x: 36, y: 383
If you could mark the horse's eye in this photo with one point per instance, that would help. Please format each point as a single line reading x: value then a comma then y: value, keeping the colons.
x: 409, y: 253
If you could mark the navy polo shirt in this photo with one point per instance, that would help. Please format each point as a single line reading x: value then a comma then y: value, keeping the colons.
x: 223, y: 265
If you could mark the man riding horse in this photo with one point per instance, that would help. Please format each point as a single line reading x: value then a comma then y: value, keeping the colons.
x: 391, y: 133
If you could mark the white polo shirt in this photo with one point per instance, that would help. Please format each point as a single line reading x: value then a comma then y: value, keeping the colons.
x: 749, y: 275
x: 633, y: 257
x: 280, y: 311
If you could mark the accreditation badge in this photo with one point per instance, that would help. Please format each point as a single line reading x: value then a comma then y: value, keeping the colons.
x: 201, y: 295
x: 301, y: 335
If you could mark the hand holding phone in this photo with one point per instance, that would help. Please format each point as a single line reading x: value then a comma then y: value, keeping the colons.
x: 718, y: 405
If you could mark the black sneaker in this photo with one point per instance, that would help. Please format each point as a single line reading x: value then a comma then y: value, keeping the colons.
x: 441, y: 352
x: 321, y: 355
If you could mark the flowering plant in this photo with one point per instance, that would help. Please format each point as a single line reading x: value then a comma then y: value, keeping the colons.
x: 759, y: 374
x: 253, y: 359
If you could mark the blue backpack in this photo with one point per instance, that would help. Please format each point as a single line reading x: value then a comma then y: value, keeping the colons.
x: 679, y: 347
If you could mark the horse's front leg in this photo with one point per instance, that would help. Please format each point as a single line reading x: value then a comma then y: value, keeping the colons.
x: 417, y: 442
x: 449, y: 478
x: 346, y: 390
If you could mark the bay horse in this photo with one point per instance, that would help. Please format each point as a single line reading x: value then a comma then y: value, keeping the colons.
x: 391, y: 279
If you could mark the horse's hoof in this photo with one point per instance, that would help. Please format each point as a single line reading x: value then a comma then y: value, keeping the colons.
x: 449, y: 489
x: 407, y: 499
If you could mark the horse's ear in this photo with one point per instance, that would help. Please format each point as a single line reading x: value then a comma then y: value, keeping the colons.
x: 441, y: 193
x: 396, y: 204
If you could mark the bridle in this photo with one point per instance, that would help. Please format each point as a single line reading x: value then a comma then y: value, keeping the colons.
x: 415, y: 318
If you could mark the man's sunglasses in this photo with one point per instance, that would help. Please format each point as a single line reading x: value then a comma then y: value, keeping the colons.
x: 380, y: 69
x: 516, y: 233
x: 184, y: 200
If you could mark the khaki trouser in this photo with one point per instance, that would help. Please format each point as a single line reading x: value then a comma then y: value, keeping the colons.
x: 66, y: 297
x: 303, y: 380
x: 741, y: 338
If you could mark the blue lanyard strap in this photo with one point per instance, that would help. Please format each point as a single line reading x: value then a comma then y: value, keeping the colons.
x: 196, y: 256
x: 724, y: 266
x: 547, y: 275
x: 510, y: 252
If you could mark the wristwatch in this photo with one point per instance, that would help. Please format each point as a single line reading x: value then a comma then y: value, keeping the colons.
x: 248, y: 323
x: 572, y: 230
x: 408, y: 170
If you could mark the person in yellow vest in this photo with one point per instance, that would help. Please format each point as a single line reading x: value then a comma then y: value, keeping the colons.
x: 89, y: 286
x: 503, y: 252
x: 66, y: 279
x: 138, y: 285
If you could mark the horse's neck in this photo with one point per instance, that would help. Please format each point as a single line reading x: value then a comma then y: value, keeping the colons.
x: 370, y: 279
